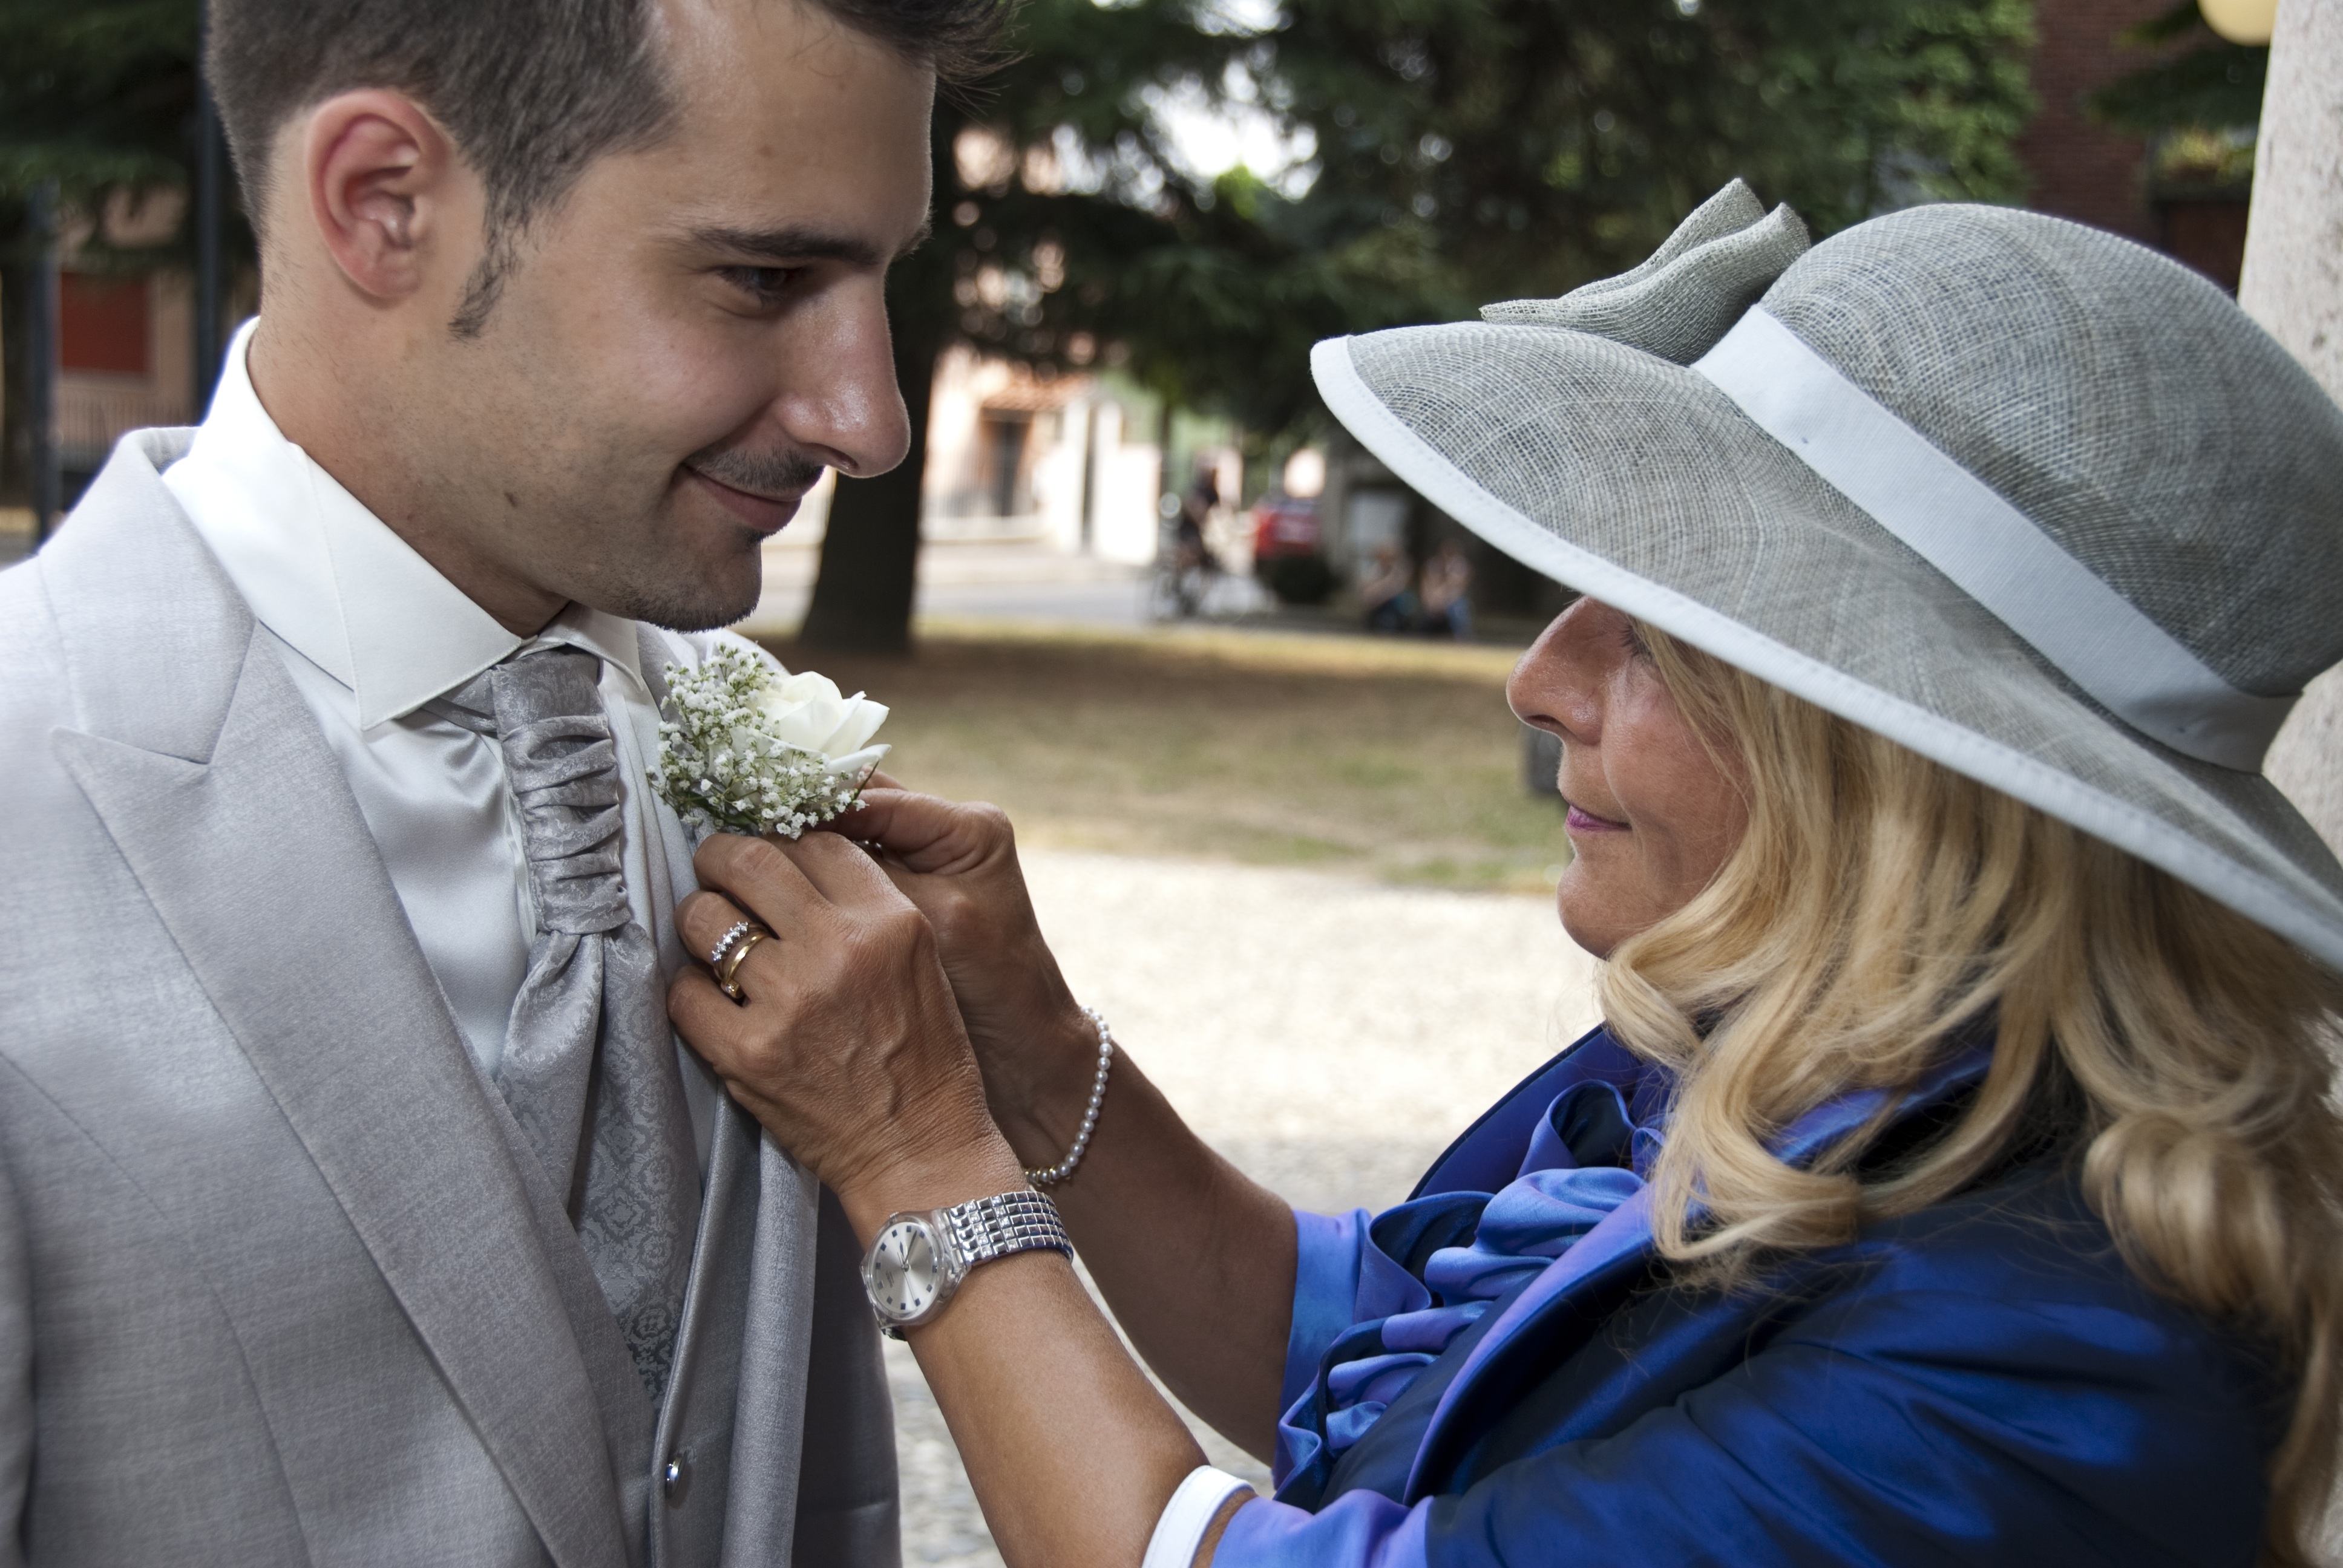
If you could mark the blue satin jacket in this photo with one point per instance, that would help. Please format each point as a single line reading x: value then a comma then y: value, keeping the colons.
x: 1981, y: 1382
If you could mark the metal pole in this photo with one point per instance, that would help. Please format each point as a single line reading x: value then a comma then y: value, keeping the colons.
x: 41, y: 347
x: 1089, y: 471
x: 209, y: 193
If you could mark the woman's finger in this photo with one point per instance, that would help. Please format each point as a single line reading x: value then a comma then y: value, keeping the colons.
x: 705, y: 918
x: 925, y: 832
x: 710, y: 1022
x: 702, y: 918
x: 839, y: 871
x: 760, y: 879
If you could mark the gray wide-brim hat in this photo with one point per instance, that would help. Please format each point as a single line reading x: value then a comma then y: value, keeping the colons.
x: 2027, y: 498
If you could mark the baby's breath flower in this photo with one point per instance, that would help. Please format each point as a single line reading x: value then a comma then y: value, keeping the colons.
x: 752, y: 749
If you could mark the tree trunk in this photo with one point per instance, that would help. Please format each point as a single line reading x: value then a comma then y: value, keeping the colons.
x: 870, y: 551
x: 2293, y: 285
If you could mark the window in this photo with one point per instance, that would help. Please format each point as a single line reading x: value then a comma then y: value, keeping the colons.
x: 103, y: 323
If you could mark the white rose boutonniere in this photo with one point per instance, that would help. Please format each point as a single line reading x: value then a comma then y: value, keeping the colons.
x: 749, y: 747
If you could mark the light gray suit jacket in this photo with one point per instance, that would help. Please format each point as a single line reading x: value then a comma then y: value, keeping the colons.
x: 274, y: 1286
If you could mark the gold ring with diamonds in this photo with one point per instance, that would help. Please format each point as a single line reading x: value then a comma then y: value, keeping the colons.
x: 731, y: 964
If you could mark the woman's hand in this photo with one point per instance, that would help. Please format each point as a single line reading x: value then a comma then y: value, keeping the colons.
x: 958, y: 865
x: 850, y: 1049
x: 1197, y: 1262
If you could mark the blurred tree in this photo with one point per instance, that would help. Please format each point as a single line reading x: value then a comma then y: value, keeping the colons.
x: 2198, y: 105
x: 1448, y: 152
x: 98, y: 96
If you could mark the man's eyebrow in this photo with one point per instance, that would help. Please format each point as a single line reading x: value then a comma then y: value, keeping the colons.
x: 796, y: 241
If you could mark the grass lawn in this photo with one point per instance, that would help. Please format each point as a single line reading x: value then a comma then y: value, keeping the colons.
x: 1391, y: 758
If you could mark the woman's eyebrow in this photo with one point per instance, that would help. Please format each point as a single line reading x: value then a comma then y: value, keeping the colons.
x: 800, y: 242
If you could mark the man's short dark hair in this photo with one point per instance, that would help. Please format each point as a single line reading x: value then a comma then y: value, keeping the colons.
x: 532, y: 91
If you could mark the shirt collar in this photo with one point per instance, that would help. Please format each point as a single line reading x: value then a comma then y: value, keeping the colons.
x: 332, y: 580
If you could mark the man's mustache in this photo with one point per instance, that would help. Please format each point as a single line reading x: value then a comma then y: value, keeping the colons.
x: 769, y: 474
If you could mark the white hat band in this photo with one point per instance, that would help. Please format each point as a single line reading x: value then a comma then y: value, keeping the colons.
x: 2095, y: 637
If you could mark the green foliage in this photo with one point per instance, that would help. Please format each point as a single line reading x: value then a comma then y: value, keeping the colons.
x: 1466, y: 150
x: 96, y: 95
x: 2199, y: 104
x: 2215, y: 85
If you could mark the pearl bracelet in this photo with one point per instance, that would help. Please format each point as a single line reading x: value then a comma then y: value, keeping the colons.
x: 1065, y: 1168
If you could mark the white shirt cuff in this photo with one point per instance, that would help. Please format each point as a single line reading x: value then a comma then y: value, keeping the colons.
x: 1180, y: 1533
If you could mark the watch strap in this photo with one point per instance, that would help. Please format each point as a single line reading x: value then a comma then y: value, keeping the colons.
x: 989, y: 1228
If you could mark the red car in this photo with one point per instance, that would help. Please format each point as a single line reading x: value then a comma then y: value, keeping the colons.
x: 1284, y: 526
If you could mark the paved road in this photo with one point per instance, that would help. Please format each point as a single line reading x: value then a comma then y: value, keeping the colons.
x: 985, y: 580
x: 1330, y: 1036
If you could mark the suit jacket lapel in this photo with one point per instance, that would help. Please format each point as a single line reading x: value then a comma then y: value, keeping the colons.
x: 209, y: 771
x: 609, y: 1366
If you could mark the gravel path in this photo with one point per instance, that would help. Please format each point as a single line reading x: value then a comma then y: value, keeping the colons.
x: 1330, y: 1036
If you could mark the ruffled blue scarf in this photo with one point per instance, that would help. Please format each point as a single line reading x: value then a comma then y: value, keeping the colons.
x: 1589, y: 1154
x: 1438, y: 1264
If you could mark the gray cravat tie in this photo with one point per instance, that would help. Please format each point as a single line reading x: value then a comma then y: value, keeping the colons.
x: 589, y: 1069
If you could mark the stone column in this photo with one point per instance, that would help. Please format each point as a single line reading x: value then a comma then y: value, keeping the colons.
x: 2293, y: 286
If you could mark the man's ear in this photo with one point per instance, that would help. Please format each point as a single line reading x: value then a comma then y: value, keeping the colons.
x: 388, y: 193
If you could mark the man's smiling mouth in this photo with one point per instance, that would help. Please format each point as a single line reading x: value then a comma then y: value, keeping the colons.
x: 768, y: 513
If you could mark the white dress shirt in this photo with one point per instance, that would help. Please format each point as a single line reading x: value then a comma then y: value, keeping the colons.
x: 371, y: 632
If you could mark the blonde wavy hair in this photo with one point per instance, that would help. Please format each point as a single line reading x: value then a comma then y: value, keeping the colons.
x: 1880, y: 902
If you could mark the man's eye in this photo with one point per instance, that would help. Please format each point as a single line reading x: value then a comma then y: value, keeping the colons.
x: 762, y: 283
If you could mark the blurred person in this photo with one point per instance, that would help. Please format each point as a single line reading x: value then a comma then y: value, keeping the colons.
x: 356, y: 1202
x: 1193, y: 565
x: 1386, y: 593
x: 1193, y: 540
x: 1955, y: 1177
x: 1448, y: 593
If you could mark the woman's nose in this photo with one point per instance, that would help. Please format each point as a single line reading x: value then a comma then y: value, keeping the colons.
x: 1557, y: 685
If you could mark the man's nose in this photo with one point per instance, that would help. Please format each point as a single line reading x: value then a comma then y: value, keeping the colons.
x: 845, y: 403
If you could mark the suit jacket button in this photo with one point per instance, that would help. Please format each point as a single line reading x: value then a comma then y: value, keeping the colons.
x: 675, y: 1479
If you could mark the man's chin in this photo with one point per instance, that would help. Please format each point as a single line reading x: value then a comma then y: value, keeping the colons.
x: 702, y: 605
x: 688, y: 615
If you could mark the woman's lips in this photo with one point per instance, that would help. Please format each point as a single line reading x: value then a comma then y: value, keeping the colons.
x: 1581, y: 821
x: 766, y: 514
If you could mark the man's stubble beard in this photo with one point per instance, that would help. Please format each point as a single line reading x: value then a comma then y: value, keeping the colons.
x: 632, y: 563
x: 760, y: 473
x: 649, y: 592
x: 682, y: 608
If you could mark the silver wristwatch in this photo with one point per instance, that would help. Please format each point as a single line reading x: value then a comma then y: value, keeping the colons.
x: 920, y: 1260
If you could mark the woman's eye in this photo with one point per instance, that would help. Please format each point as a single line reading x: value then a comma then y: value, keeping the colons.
x: 1632, y: 636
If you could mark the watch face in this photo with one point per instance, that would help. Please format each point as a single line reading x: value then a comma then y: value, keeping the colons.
x: 904, y: 1275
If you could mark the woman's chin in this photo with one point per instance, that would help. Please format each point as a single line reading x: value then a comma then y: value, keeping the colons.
x: 1586, y: 919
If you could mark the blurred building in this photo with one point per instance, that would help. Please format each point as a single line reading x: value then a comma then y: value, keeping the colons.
x: 2084, y: 170
x: 125, y: 333
x: 1059, y: 460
